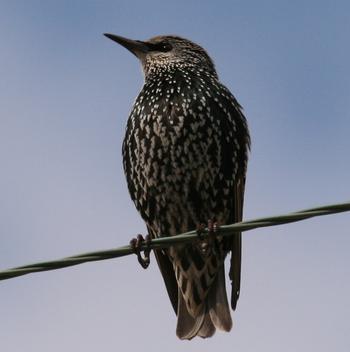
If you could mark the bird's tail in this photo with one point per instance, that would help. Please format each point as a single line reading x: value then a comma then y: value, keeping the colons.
x: 214, y: 314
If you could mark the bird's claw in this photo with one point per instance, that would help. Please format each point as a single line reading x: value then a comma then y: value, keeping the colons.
x: 136, y: 246
x: 200, y: 230
x: 212, y: 232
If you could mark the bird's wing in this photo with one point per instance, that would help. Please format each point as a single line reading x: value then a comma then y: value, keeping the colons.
x: 167, y: 271
x: 235, y: 154
x: 236, y: 242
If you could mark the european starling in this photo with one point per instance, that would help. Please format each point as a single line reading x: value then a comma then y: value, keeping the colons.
x: 185, y: 157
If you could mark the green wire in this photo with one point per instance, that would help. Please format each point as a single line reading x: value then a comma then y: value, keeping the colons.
x: 163, y: 242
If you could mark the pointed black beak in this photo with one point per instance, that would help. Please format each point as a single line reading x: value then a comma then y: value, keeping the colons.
x: 138, y: 48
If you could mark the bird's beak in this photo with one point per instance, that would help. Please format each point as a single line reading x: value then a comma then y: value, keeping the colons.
x: 138, y: 48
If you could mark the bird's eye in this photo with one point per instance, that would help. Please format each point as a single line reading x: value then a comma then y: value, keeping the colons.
x: 165, y: 47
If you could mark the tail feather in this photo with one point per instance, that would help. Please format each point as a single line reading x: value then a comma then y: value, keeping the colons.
x: 215, y: 313
x: 219, y: 310
x: 208, y: 329
x: 187, y: 326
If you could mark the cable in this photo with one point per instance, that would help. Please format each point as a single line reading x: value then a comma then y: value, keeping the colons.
x: 163, y: 242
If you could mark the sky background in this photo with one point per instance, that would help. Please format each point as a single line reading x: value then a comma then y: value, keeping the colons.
x: 65, y: 95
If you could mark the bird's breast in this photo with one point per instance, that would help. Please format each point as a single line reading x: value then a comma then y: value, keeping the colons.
x: 175, y: 144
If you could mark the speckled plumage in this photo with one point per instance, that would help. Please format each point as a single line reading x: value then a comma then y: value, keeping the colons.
x: 185, y: 157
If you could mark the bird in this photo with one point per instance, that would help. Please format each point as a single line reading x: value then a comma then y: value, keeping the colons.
x: 185, y: 155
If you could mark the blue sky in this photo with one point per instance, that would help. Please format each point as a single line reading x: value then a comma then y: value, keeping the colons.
x: 65, y: 94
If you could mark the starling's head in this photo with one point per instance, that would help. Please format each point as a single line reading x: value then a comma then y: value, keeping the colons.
x: 166, y: 51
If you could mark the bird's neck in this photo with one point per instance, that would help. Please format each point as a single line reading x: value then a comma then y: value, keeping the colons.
x: 170, y: 70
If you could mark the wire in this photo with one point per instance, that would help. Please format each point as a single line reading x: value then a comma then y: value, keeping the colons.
x: 163, y: 242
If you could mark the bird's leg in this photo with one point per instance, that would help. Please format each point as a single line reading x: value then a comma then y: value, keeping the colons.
x: 212, y: 232
x: 136, y: 246
x: 210, y: 241
x: 201, y: 241
x: 200, y: 230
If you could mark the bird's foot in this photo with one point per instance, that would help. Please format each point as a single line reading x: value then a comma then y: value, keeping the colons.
x: 200, y: 230
x: 209, y: 242
x: 136, y: 246
x: 212, y: 232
